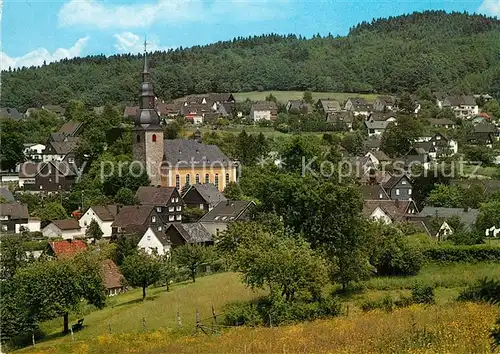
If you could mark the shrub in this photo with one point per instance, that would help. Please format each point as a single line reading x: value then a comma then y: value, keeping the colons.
x: 483, y: 290
x: 423, y: 294
x: 241, y: 313
x: 468, y: 254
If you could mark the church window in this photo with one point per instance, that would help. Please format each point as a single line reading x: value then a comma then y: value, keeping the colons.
x: 138, y: 138
x: 227, y: 179
x: 177, y: 181
x: 188, y: 179
x: 197, y: 178
x: 207, y: 178
x: 216, y: 180
x: 153, y: 138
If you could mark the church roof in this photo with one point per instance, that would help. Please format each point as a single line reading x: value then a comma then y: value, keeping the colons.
x: 190, y: 153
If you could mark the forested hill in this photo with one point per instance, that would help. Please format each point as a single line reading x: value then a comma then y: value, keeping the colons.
x: 455, y: 52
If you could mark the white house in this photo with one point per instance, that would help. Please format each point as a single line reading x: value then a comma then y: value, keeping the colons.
x: 376, y: 128
x: 34, y: 152
x: 493, y: 232
x: 33, y: 225
x: 380, y: 215
x: 462, y: 106
x: 154, y: 241
x: 104, y: 215
x: 67, y: 229
x: 263, y: 110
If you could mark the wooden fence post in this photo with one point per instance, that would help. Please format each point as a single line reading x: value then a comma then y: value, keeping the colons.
x: 197, y: 321
x: 214, y: 318
x: 179, y: 322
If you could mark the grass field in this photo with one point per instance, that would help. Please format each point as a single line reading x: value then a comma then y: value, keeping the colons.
x: 125, y: 313
x: 250, y: 129
x: 284, y: 96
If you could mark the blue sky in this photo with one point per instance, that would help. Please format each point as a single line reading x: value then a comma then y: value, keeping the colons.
x: 36, y: 30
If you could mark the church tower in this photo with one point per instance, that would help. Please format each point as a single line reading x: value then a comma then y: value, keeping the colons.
x: 147, y: 133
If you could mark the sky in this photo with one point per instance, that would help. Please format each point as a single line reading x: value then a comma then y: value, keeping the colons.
x: 35, y: 30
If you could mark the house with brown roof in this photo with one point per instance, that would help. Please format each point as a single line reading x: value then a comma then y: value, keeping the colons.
x: 463, y: 106
x: 13, y: 217
x: 136, y: 219
x: 379, y: 158
x: 55, y: 108
x: 299, y: 106
x: 216, y: 220
x: 389, y: 211
x: 358, y: 106
x: 166, y: 200
x: 130, y: 112
x: 484, y: 134
x: 112, y: 277
x: 104, y: 215
x: 442, y: 123
x: 65, y: 248
x: 263, y: 110
x: 342, y: 120
x: 68, y: 229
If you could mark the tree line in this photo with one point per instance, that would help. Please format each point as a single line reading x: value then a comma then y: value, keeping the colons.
x: 431, y: 49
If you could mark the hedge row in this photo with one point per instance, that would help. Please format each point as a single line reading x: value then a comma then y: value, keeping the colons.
x: 474, y: 253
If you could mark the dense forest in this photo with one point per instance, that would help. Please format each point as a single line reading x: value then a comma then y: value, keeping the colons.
x: 441, y: 51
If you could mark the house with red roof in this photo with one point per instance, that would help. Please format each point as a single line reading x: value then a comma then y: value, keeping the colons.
x: 65, y: 248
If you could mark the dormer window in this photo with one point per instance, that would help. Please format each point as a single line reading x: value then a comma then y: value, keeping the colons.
x: 153, y: 218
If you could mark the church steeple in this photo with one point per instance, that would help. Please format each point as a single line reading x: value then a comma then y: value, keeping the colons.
x: 147, y: 117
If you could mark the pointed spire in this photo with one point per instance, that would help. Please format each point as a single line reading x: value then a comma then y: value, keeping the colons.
x: 146, y: 68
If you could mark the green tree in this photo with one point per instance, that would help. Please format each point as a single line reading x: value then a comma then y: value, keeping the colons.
x: 93, y: 230
x: 126, y: 245
x: 75, y: 110
x: 172, y: 130
x: 285, y: 265
x: 141, y: 270
x: 446, y: 196
x: 354, y: 142
x: 125, y: 196
x: 12, y: 146
x: 13, y: 257
x: 406, y: 104
x: 192, y: 256
x: 399, y: 136
x: 489, y: 215
x: 307, y: 97
x: 169, y: 270
x: 55, y: 288
x: 51, y: 211
x: 192, y: 214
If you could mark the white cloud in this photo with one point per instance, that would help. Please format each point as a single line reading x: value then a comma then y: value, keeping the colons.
x: 38, y: 56
x: 128, y: 42
x: 491, y: 7
x: 93, y: 13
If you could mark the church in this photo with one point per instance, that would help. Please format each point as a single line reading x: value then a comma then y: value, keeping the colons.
x: 179, y: 162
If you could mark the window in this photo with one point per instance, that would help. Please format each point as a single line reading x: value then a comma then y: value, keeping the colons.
x: 149, y: 237
x: 216, y: 180
x: 85, y: 223
x: 153, y: 138
x: 227, y: 179
x: 153, y: 218
x: 179, y: 217
x: 138, y: 138
x: 177, y: 200
x: 409, y: 191
x: 179, y: 208
x: 403, y: 182
x: 158, y: 209
x: 172, y: 200
x: 171, y: 209
x: 207, y: 178
x: 177, y: 181
x: 201, y: 206
x: 159, y: 228
x: 170, y: 218
x: 71, y: 160
x: 397, y: 191
x: 188, y: 179
x: 381, y: 196
x: 4, y: 227
x: 197, y: 178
